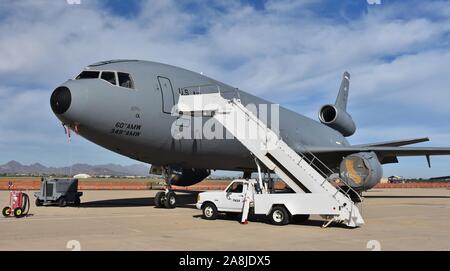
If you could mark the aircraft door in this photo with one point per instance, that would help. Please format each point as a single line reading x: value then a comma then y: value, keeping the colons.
x: 168, y: 98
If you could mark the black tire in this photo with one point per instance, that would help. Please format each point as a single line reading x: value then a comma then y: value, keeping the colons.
x: 39, y: 202
x: 209, y: 211
x: 159, y: 199
x: 62, y: 202
x: 300, y: 218
x: 18, y: 212
x: 279, y: 216
x: 7, y: 211
x: 171, y: 200
x: 77, y: 201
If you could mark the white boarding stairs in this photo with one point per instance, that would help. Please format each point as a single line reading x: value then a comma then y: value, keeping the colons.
x: 294, y: 169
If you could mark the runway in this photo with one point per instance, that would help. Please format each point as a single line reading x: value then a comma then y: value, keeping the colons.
x: 396, y: 219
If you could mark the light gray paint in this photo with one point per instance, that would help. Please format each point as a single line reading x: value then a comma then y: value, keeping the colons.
x: 97, y: 106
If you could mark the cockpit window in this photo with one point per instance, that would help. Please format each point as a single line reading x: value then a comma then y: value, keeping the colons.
x: 88, y: 75
x: 125, y: 80
x: 109, y: 77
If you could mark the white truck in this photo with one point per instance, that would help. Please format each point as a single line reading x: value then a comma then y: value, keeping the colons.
x: 280, y: 208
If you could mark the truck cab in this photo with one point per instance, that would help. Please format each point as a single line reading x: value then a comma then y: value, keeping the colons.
x: 230, y: 200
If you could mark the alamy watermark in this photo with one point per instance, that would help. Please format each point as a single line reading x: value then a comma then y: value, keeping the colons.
x: 252, y: 123
x: 374, y: 2
x: 73, y: 245
x: 73, y: 2
x: 373, y: 245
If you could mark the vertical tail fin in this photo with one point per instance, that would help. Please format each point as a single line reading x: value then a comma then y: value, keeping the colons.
x: 341, y: 100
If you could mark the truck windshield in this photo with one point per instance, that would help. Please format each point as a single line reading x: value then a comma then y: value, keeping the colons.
x: 236, y: 187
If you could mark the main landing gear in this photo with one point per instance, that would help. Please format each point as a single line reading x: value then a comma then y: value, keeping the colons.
x: 166, y: 199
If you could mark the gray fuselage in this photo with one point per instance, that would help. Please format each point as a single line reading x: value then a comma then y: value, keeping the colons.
x: 137, y: 122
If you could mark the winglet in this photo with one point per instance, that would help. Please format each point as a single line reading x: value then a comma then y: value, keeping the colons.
x: 428, y: 160
x: 341, y: 100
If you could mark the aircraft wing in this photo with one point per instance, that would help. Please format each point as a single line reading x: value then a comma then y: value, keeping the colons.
x: 386, y: 155
x: 395, y: 143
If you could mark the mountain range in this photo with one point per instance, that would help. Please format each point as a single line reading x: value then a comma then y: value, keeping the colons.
x: 14, y: 167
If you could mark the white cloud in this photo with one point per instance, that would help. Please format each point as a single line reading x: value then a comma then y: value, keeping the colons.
x: 420, y: 80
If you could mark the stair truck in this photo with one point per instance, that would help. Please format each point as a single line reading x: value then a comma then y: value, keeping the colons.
x: 313, y: 192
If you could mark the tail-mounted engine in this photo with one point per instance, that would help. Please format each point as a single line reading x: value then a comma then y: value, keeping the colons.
x: 337, y: 119
x: 336, y: 116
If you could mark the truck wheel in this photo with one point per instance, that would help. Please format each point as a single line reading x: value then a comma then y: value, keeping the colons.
x: 38, y: 202
x: 279, y: 216
x: 159, y: 199
x: 6, y: 211
x: 300, y: 218
x: 18, y: 212
x: 62, y: 202
x: 209, y: 211
x: 170, y: 201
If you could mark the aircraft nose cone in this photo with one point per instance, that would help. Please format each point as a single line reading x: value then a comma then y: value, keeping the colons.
x: 60, y: 100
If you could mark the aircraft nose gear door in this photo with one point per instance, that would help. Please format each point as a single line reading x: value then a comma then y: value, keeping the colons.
x: 168, y: 98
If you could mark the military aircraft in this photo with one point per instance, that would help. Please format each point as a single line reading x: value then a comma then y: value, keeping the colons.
x: 127, y: 107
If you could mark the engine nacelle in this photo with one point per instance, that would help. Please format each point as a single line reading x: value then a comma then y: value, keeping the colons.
x: 188, y: 176
x: 361, y: 171
x: 337, y: 119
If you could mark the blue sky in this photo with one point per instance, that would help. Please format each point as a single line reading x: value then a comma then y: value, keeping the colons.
x: 290, y: 52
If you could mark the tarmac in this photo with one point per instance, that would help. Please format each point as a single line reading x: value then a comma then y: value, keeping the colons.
x: 396, y: 219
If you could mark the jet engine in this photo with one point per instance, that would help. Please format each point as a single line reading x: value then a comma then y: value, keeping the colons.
x: 337, y: 119
x: 361, y: 171
x: 181, y: 176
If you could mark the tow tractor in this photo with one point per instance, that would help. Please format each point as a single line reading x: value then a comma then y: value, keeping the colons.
x: 19, y: 203
x: 58, y: 191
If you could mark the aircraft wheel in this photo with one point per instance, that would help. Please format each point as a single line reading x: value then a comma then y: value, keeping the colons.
x: 159, y: 199
x: 6, y: 211
x: 279, y: 216
x: 171, y: 200
x: 77, y: 201
x: 209, y: 211
x: 18, y: 212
